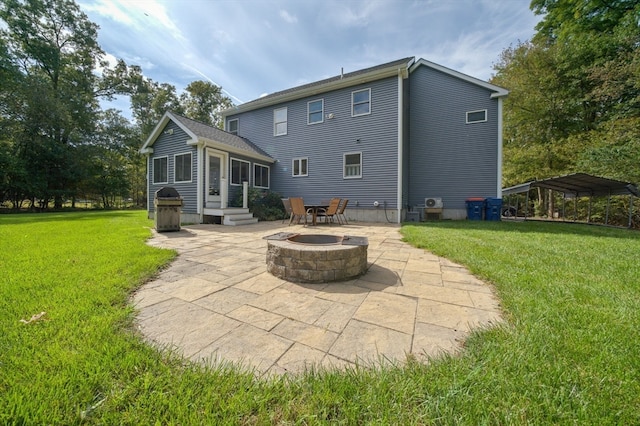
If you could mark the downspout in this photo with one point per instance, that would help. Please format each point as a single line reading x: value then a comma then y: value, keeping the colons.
x: 499, y: 189
x: 400, y: 150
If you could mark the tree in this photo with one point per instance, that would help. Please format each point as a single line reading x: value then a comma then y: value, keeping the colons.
x: 203, y: 101
x: 55, y: 47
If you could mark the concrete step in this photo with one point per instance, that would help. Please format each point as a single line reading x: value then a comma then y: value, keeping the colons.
x: 234, y: 221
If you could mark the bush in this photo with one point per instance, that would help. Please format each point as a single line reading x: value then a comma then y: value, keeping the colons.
x: 265, y: 205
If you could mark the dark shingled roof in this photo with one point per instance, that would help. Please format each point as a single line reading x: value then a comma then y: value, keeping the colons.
x: 399, y: 62
x: 205, y: 131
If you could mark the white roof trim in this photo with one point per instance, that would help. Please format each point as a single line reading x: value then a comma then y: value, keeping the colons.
x: 390, y: 71
x: 155, y: 134
x: 499, y: 92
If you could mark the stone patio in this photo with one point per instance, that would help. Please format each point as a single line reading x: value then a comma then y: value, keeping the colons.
x: 217, y: 302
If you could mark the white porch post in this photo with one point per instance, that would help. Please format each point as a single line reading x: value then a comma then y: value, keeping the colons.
x: 223, y: 193
x: 245, y: 195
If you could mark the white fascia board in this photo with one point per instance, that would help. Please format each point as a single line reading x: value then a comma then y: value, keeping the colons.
x: 320, y: 89
x: 157, y: 131
x: 499, y: 92
x: 209, y: 143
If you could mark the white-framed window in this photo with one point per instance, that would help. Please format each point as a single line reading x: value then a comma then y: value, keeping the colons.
x: 232, y: 126
x: 315, y: 111
x: 352, y: 165
x: 299, y: 167
x: 239, y: 171
x: 361, y: 102
x: 479, y: 116
x: 280, y: 121
x: 260, y: 176
x: 182, y: 167
x: 161, y: 170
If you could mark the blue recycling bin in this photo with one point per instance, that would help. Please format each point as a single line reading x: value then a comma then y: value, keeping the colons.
x: 492, y: 208
x: 475, y: 208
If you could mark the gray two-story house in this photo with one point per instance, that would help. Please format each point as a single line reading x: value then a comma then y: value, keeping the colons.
x: 388, y: 138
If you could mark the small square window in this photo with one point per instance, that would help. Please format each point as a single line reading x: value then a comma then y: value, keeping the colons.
x: 361, y: 102
x: 315, y: 111
x: 160, y: 170
x: 239, y: 171
x: 182, y: 169
x: 299, y: 167
x: 352, y: 165
x: 280, y: 122
x: 476, y: 116
x: 260, y: 176
x: 232, y: 126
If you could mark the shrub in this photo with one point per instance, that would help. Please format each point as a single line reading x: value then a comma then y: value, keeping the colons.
x: 265, y: 205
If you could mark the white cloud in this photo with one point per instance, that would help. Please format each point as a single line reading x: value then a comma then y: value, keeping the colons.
x: 287, y: 17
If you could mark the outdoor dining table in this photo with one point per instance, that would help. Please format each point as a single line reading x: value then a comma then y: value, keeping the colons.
x: 314, y: 210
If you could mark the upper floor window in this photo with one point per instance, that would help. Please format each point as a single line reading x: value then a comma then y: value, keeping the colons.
x: 160, y: 170
x: 315, y: 111
x: 182, y: 169
x: 479, y: 116
x: 260, y: 176
x: 361, y: 102
x: 299, y: 167
x: 280, y: 121
x: 232, y: 126
x: 239, y: 171
x: 352, y: 165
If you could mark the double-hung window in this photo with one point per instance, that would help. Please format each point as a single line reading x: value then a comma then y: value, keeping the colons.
x: 182, y: 167
x: 239, y: 171
x: 352, y: 165
x: 160, y: 170
x: 299, y: 167
x: 232, y: 126
x: 479, y: 116
x: 280, y: 121
x: 315, y: 111
x: 260, y: 176
x: 361, y: 102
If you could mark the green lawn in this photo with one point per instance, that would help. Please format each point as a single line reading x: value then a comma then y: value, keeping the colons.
x: 568, y: 353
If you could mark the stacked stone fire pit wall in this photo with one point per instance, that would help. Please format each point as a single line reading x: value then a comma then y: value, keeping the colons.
x: 304, y: 263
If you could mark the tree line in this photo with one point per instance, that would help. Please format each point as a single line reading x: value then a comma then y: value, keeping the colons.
x: 574, y: 102
x: 57, y: 145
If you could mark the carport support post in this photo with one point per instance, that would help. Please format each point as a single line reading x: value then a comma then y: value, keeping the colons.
x: 245, y: 194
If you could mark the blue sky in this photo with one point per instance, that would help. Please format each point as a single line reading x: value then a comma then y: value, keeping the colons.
x: 254, y: 47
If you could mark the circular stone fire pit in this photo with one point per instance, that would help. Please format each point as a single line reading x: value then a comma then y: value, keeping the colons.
x: 316, y: 258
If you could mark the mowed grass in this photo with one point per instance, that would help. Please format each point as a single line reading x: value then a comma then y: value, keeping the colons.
x: 568, y: 352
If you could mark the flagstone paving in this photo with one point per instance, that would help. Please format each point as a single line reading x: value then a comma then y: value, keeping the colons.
x: 217, y: 303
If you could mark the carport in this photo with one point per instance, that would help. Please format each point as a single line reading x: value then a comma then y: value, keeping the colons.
x: 575, y: 186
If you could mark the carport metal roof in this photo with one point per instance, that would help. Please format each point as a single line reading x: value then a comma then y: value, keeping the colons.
x: 578, y: 185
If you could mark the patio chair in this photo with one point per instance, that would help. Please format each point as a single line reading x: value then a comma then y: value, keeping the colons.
x: 341, y: 208
x: 297, y: 210
x: 330, y: 212
x: 287, y: 208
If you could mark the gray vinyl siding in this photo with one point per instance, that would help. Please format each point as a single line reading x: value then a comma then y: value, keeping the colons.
x: 170, y: 145
x: 324, y: 144
x: 449, y: 158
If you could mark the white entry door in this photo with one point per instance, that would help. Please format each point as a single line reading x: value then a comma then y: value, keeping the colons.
x: 216, y: 177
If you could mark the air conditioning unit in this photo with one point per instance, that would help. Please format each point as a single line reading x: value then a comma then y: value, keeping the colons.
x: 433, y: 202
